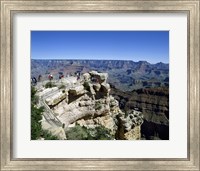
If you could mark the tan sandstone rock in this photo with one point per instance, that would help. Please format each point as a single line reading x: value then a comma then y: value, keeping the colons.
x: 56, y: 98
x: 78, y: 90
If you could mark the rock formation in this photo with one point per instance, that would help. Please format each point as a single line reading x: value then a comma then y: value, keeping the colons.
x: 130, y: 129
x: 88, y: 103
x: 55, y: 99
x: 154, y: 105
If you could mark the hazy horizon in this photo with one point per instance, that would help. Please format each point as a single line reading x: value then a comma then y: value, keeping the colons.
x: 150, y: 46
x: 99, y: 60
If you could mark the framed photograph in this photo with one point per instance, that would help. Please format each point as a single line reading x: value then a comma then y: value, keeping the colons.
x: 100, y: 85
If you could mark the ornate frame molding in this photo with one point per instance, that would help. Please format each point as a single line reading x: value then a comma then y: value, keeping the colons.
x: 10, y: 8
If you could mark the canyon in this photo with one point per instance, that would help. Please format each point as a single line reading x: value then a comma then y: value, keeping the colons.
x: 138, y: 90
x: 86, y: 102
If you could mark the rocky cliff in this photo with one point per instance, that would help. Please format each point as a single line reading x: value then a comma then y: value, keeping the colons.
x: 88, y: 103
x: 154, y: 105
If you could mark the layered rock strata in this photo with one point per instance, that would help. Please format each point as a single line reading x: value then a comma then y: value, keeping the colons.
x: 89, y: 104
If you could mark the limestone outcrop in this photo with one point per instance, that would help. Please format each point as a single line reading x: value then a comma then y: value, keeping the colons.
x: 56, y: 98
x: 88, y: 103
x: 130, y: 128
x: 154, y: 105
x: 99, y: 77
x: 78, y: 90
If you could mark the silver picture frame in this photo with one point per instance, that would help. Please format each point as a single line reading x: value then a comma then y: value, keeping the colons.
x: 12, y: 7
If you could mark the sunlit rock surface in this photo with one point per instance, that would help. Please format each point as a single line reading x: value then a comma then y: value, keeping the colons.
x: 87, y: 102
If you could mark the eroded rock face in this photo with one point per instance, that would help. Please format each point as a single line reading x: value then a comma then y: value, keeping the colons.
x: 154, y: 105
x: 99, y: 77
x: 55, y: 99
x: 78, y: 90
x: 133, y: 134
x: 106, y: 121
x: 105, y: 88
x: 90, y: 104
x: 134, y: 118
x: 44, y: 91
x: 86, y: 76
x: 130, y: 125
x: 97, y: 86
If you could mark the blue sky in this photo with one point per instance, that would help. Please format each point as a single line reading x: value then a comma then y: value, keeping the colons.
x: 151, y: 46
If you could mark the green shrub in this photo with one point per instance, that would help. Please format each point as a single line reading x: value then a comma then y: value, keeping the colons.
x: 98, y: 106
x: 82, y: 133
x: 33, y: 91
x: 77, y: 133
x: 34, y: 98
x: 48, y: 136
x: 86, y: 85
x: 36, y: 117
x: 36, y: 127
x: 102, y: 133
x: 126, y: 114
x: 62, y: 86
x: 49, y: 85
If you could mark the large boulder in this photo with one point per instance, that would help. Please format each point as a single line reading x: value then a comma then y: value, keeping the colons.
x: 133, y: 134
x: 86, y: 76
x: 78, y: 90
x: 130, y: 125
x: 45, y: 91
x: 133, y: 119
x: 75, y: 111
x: 56, y: 98
x: 99, y: 77
x: 105, y: 88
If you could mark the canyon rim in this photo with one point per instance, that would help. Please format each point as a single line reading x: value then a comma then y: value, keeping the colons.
x: 107, y: 96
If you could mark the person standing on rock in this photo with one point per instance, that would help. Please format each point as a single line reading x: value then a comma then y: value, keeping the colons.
x: 39, y: 78
x: 50, y: 77
x: 33, y: 81
x: 78, y: 75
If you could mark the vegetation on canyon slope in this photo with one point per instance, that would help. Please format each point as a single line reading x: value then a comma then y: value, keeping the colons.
x: 82, y: 133
x: 36, y: 116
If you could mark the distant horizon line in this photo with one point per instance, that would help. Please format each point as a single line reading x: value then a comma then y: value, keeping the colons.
x: 103, y: 60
